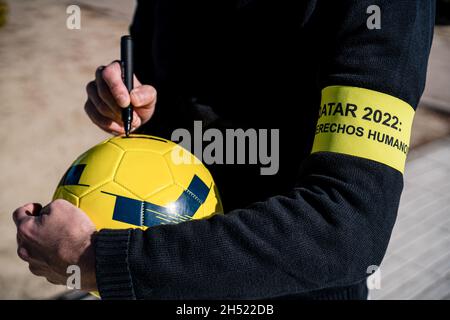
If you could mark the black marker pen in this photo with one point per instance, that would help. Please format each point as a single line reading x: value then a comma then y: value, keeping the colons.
x: 126, y: 57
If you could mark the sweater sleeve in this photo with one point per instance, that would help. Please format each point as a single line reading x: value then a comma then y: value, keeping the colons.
x: 330, y: 228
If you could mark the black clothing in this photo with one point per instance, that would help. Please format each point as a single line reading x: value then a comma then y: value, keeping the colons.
x: 311, y: 230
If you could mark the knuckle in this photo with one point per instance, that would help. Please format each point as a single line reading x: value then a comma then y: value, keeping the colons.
x: 109, y: 71
x: 144, y: 95
x: 103, y: 109
x: 22, y: 253
x: 88, y: 110
x: 149, y: 92
x: 16, y: 214
x: 24, y: 229
x: 106, y: 72
x: 115, y: 65
x: 58, y: 204
x: 86, y: 107
x: 90, y: 87
x: 99, y: 71
x: 152, y: 91
x: 117, y: 90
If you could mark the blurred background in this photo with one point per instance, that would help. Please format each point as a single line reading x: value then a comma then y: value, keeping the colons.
x: 44, y: 68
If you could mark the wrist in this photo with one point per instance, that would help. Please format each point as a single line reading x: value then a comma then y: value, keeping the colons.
x: 87, y: 265
x: 113, y: 265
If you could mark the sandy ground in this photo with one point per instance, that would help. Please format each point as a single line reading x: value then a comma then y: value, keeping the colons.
x: 44, y: 68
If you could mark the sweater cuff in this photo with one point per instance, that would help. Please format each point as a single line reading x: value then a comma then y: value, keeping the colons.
x: 111, y: 263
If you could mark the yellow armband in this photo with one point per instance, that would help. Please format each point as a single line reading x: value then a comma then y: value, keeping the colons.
x: 364, y: 123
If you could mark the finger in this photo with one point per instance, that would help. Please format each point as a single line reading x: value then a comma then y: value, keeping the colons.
x: 112, y: 76
x: 26, y: 230
x: 104, y: 92
x: 22, y: 252
x: 19, y: 215
x: 102, y: 107
x: 27, y: 255
x: 136, y: 123
x: 25, y: 212
x: 37, y: 270
x: 55, y: 206
x: 25, y: 218
x: 113, y: 113
x: 143, y: 98
x: 104, y: 123
x: 53, y: 279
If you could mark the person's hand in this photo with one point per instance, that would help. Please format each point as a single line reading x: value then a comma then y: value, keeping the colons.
x: 107, y: 96
x: 54, y: 237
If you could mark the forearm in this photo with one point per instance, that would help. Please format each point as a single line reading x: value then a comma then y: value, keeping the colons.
x: 326, y: 233
x: 335, y: 223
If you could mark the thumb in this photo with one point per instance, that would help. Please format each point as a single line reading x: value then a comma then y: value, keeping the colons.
x: 26, y: 211
x: 33, y: 209
x: 143, y: 96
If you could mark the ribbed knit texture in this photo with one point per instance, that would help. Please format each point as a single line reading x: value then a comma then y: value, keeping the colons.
x: 112, y: 269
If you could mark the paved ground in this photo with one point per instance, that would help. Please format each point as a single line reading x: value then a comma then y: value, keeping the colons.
x: 437, y: 92
x: 417, y: 263
x: 432, y: 119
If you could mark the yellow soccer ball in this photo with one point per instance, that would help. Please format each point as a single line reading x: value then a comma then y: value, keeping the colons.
x: 139, y: 182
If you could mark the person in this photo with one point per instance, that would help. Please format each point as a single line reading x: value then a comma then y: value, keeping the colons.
x: 311, y: 231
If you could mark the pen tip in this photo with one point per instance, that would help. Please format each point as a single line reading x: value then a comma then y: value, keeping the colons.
x: 127, y: 130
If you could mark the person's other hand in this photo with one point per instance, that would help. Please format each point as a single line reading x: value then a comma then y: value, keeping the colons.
x: 54, y: 237
x: 107, y: 96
